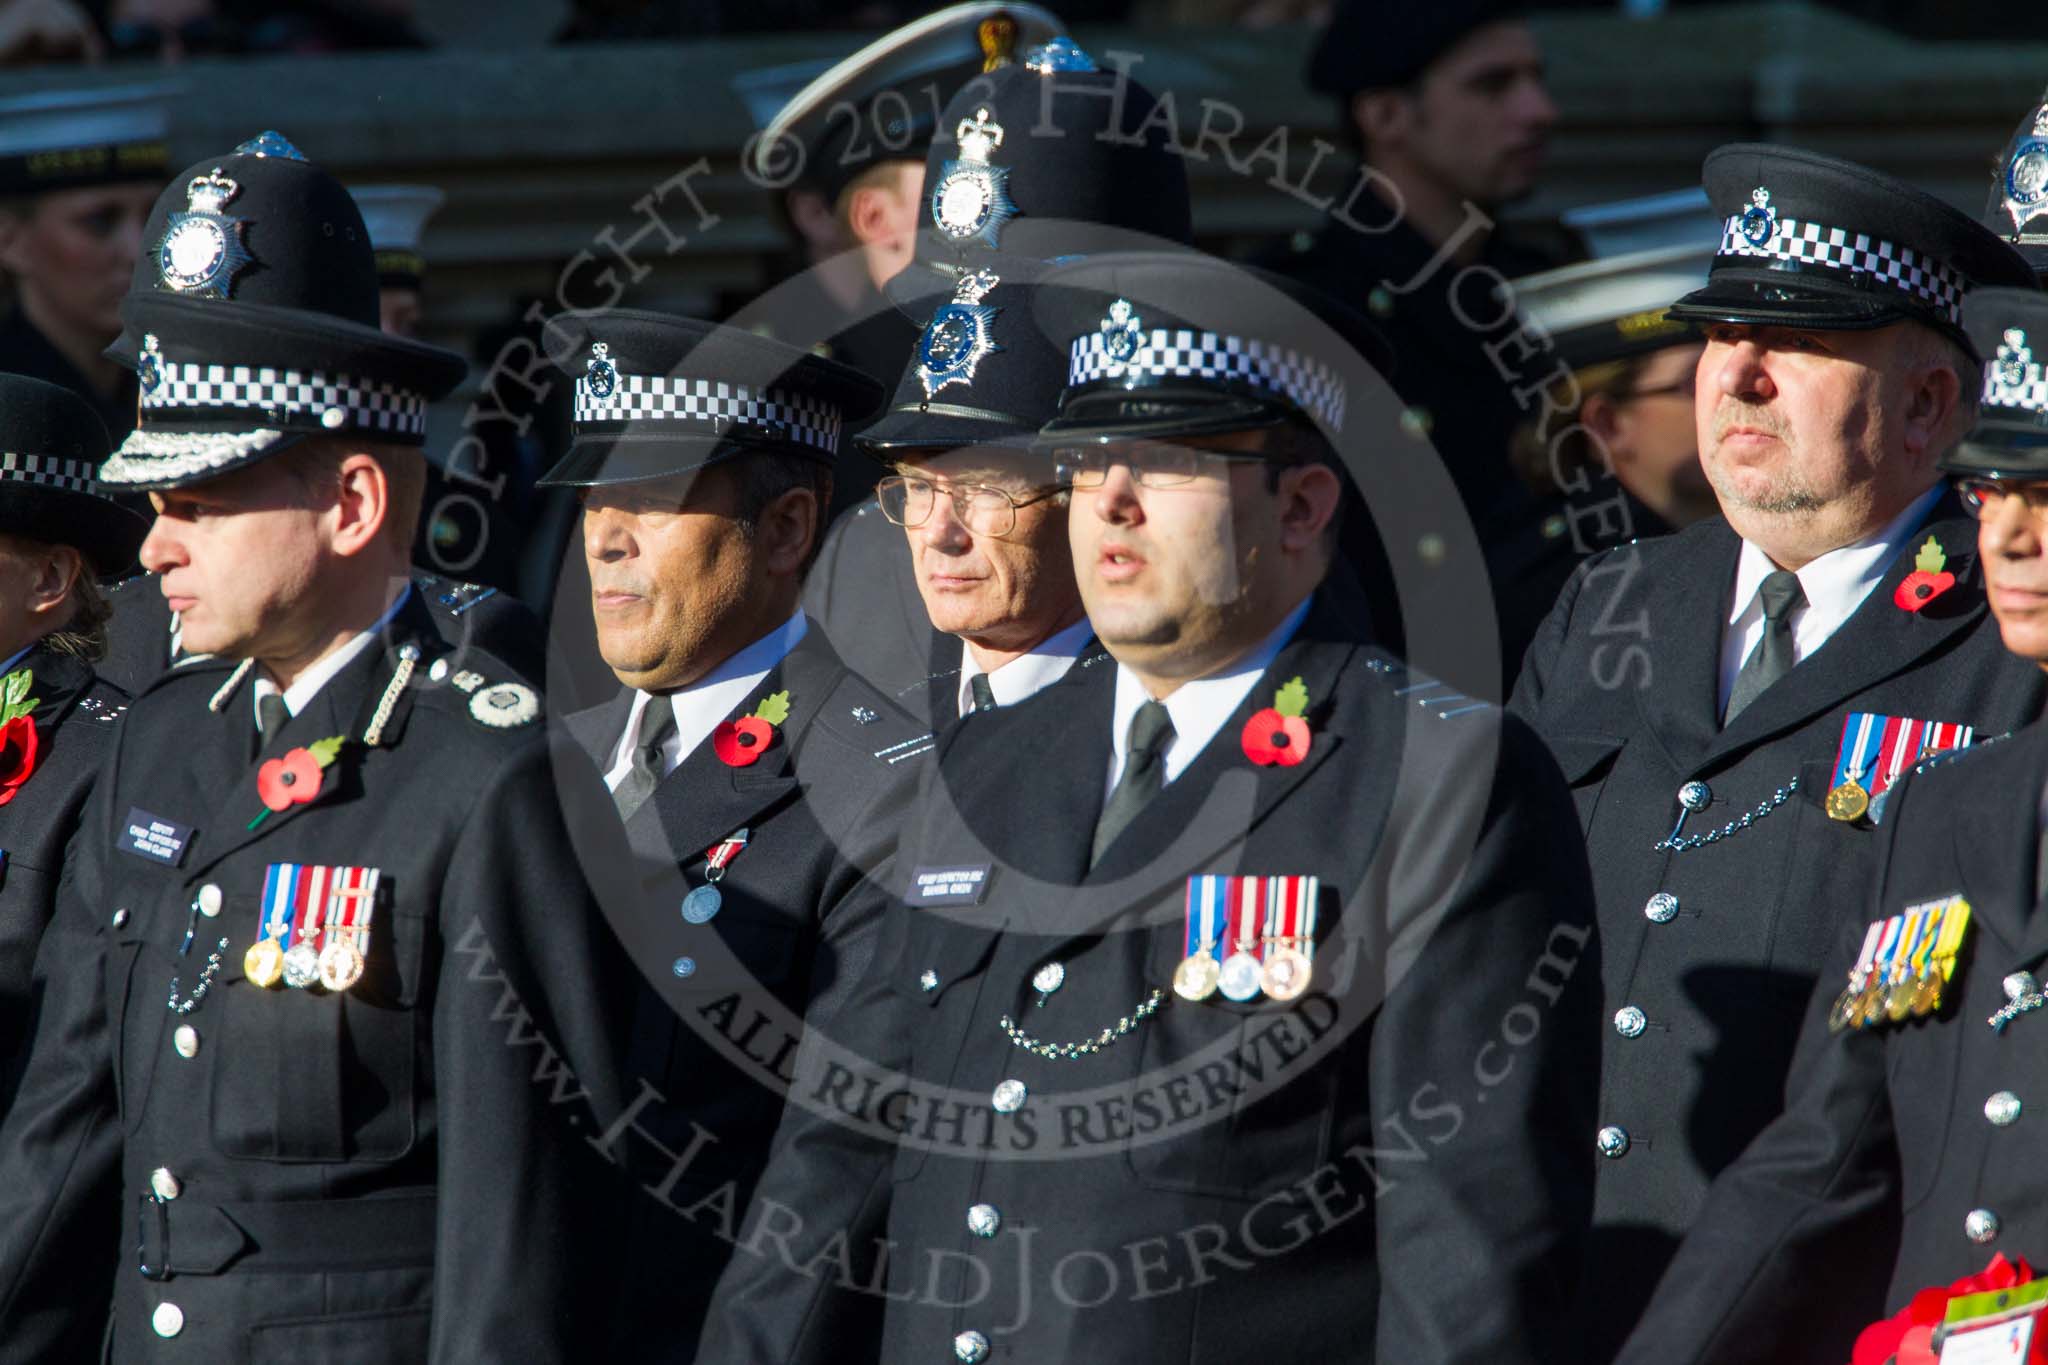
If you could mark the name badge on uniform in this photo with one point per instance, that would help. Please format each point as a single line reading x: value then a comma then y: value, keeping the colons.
x: 1874, y: 750
x: 1905, y: 963
x: 154, y: 837
x: 950, y: 885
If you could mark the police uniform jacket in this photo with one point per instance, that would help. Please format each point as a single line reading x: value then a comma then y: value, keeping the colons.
x: 1906, y: 1154
x: 1709, y: 950
x: 1359, y: 1173
x: 142, y: 638
x: 712, y: 1049
x: 74, y: 719
x: 394, y: 1172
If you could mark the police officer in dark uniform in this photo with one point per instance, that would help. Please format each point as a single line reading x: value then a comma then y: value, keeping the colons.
x: 759, y: 779
x: 1447, y: 106
x: 58, y: 533
x: 1903, y: 1160
x: 1178, y: 1075
x: 856, y: 138
x: 984, y: 588
x: 77, y: 178
x: 324, y: 1017
x: 1729, y: 703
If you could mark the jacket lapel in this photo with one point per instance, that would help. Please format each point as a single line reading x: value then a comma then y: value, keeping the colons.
x: 596, y: 730
x: 1685, y: 613
x: 1878, y: 641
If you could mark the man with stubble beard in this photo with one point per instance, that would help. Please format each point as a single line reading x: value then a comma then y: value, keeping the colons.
x: 1731, y: 703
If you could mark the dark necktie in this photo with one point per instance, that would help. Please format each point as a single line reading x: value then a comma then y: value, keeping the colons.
x: 1772, y: 658
x: 272, y: 715
x: 984, y: 695
x: 1143, y: 777
x: 657, y: 722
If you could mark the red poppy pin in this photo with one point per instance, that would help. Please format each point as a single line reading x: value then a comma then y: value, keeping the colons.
x: 1278, y: 734
x: 739, y: 743
x: 1927, y: 581
x: 294, y: 779
x: 18, y: 743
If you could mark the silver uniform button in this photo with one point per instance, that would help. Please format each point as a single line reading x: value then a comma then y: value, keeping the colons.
x: 1661, y: 908
x: 438, y: 670
x: 208, y: 900
x: 1695, y: 796
x: 1049, y: 978
x: 1980, y: 1225
x: 970, y: 1348
x: 1009, y: 1097
x: 1613, y: 1141
x: 164, y: 1183
x: 983, y: 1220
x: 2019, y: 984
x: 186, y: 1040
x: 2002, y: 1108
x: 121, y: 917
x: 168, y: 1320
x: 1629, y: 1021
x: 928, y: 980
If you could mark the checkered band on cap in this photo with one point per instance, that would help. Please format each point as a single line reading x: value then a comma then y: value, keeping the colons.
x: 48, y: 471
x: 1910, y: 272
x: 2029, y: 395
x: 713, y: 406
x: 1302, y: 380
x: 358, y: 404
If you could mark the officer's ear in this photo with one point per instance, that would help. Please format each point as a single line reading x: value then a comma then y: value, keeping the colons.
x: 1308, y: 495
x: 57, y: 569
x: 13, y: 228
x: 362, y: 504
x: 1383, y: 117
x: 786, y: 529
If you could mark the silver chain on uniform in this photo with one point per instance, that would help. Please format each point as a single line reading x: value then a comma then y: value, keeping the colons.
x: 1763, y: 808
x: 1067, y: 1052
x: 191, y: 1002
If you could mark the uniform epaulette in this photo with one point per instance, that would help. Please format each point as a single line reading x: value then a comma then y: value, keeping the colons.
x: 863, y: 718
x: 1440, y: 699
x: 96, y: 708
x: 504, y: 705
x: 457, y: 597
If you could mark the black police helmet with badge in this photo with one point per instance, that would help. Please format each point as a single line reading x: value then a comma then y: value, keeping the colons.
x: 1165, y: 344
x: 1811, y: 241
x: 2018, y: 211
x: 253, y: 324
x: 2010, y: 441
x: 881, y: 103
x: 1047, y: 158
x: 659, y: 396
x: 51, y: 444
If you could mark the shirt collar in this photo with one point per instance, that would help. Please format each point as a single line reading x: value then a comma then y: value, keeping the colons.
x: 307, y: 685
x: 704, y: 703
x: 1839, y: 577
x: 1030, y: 672
x: 1198, y: 708
x: 17, y: 657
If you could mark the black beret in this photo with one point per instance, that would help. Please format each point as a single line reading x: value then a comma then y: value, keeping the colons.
x: 657, y: 396
x: 1382, y: 44
x: 1813, y: 241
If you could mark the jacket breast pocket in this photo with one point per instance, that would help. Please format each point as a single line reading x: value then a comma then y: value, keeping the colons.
x: 317, y: 1076
x: 370, y: 1338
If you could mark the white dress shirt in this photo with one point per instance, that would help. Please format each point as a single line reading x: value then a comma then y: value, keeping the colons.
x: 1030, y: 672
x: 704, y: 703
x: 307, y: 685
x: 1199, y: 708
x: 1835, y: 585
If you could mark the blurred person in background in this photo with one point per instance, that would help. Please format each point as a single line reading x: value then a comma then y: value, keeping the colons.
x: 78, y: 173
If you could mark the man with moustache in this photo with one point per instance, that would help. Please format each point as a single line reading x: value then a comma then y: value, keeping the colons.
x: 760, y: 782
x: 1730, y: 702
x: 1903, y: 1160
x: 78, y: 173
x: 982, y: 611
x: 1154, y: 1027
x: 326, y: 1008
x: 59, y: 532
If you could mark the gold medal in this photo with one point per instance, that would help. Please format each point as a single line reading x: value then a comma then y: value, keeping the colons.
x: 1898, y: 999
x: 341, y: 966
x: 1870, y: 1004
x: 1848, y: 802
x: 1195, y: 978
x: 1844, y: 1011
x: 1927, y: 994
x: 264, y: 962
x: 1286, y: 973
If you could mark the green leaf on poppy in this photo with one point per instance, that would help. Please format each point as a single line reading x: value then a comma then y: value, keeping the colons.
x: 325, y: 750
x: 14, y: 698
x: 1292, y: 699
x: 773, y: 709
x: 1930, y: 559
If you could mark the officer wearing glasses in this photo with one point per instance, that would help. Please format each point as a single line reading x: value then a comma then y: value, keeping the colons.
x: 1903, y: 1158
